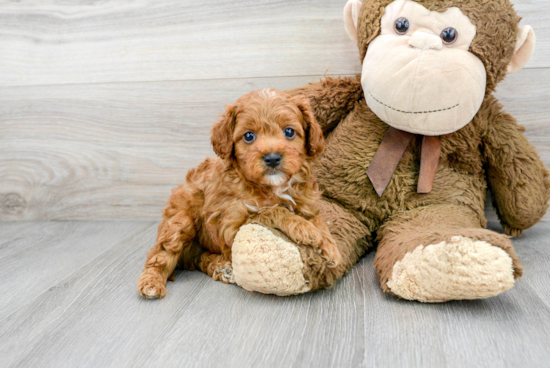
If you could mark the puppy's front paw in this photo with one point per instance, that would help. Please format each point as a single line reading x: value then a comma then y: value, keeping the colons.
x: 306, y: 233
x: 151, y: 286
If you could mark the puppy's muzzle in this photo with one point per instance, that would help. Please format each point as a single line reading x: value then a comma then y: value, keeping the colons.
x: 273, y: 159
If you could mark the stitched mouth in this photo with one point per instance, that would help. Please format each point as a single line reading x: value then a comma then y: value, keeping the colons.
x: 412, y: 112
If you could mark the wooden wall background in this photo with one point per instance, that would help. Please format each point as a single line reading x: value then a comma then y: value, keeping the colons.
x: 104, y: 105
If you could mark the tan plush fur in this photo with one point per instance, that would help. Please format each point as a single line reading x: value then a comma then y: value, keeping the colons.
x: 490, y: 151
x: 204, y: 213
x: 458, y: 269
x: 263, y: 261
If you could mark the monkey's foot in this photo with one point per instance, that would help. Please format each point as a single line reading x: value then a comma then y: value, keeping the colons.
x: 266, y: 263
x: 459, y: 269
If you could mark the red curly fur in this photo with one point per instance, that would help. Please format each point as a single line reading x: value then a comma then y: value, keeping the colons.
x: 224, y: 193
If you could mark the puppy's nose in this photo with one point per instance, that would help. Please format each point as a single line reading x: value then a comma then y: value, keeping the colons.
x: 273, y: 159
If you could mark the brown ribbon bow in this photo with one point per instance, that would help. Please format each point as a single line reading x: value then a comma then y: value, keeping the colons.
x: 389, y: 154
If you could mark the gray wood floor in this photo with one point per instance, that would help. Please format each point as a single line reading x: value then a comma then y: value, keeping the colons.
x: 69, y: 300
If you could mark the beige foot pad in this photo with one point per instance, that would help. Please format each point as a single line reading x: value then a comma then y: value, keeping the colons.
x: 455, y: 270
x: 266, y: 263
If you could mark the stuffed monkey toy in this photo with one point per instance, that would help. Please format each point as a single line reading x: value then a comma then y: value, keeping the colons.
x: 411, y: 147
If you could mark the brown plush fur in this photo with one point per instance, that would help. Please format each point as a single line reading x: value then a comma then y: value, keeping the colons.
x: 204, y: 214
x: 490, y: 151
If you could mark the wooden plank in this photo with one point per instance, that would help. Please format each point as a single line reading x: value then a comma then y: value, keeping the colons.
x: 114, y: 151
x: 94, y: 318
x: 120, y: 41
x: 37, y: 257
x: 11, y: 231
x: 57, y: 42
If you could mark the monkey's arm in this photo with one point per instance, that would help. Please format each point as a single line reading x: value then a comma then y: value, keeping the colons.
x: 331, y: 99
x: 517, y: 177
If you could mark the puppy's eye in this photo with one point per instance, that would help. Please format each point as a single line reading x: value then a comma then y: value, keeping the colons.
x: 249, y: 137
x: 290, y: 133
x: 401, y: 26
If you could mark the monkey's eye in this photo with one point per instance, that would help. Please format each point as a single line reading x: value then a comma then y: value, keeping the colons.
x: 290, y: 133
x: 249, y: 137
x: 449, y: 35
x: 401, y: 25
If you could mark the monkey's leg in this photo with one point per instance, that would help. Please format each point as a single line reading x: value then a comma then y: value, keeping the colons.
x: 266, y: 261
x: 174, y: 235
x: 440, y: 253
x: 351, y: 237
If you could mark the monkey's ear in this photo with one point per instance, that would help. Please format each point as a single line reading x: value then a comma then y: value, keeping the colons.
x: 525, y: 45
x: 351, y: 14
x: 222, y: 133
x: 315, y: 141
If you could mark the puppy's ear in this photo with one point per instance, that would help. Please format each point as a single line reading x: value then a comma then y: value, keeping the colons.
x: 222, y: 133
x: 315, y: 142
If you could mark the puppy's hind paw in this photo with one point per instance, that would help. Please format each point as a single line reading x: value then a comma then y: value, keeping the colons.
x: 228, y: 276
x: 224, y: 275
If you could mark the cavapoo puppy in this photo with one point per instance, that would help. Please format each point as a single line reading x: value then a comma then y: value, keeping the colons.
x: 265, y: 143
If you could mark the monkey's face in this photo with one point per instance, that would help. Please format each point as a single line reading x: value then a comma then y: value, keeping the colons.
x: 418, y: 74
